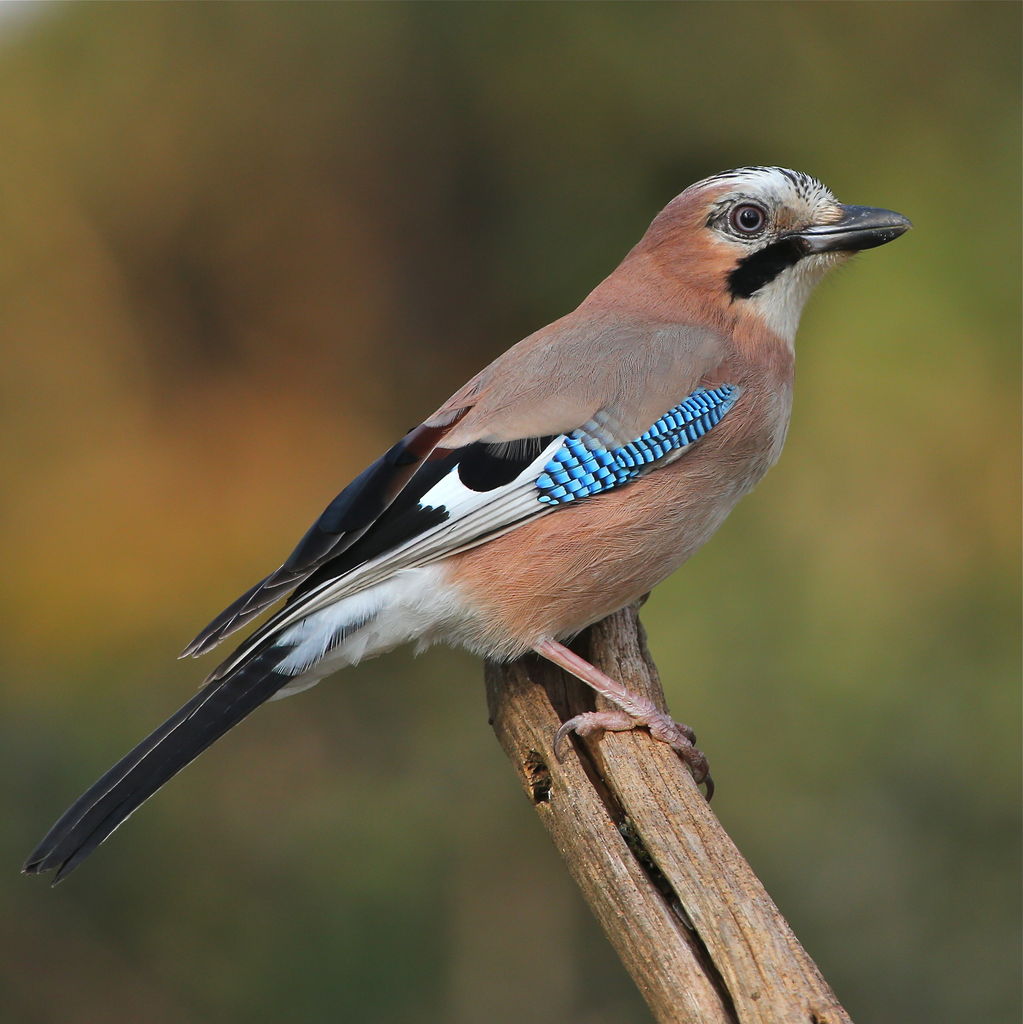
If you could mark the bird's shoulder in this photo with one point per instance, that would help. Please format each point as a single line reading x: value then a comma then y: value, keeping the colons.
x: 595, y: 361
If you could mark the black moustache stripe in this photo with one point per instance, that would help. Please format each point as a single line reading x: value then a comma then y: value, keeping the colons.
x: 760, y: 268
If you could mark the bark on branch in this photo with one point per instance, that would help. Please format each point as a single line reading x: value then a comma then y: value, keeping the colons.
x: 687, y: 916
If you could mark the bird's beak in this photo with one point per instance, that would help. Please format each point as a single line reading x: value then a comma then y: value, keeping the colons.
x: 859, y: 227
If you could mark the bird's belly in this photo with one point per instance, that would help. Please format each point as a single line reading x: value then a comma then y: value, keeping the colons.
x: 558, y: 574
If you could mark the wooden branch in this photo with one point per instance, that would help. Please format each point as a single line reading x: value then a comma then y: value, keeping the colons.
x: 691, y: 922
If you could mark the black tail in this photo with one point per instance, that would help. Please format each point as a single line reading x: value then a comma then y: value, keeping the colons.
x: 137, y: 776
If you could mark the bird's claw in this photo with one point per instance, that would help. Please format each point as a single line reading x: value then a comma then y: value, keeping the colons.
x: 678, y: 736
x: 588, y: 723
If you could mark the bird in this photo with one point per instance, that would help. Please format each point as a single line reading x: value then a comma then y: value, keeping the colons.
x: 563, y: 482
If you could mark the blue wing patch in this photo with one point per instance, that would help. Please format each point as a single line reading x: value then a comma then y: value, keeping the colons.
x: 580, y: 469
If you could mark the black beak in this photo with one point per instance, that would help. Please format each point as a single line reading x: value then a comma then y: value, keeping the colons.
x: 860, y: 227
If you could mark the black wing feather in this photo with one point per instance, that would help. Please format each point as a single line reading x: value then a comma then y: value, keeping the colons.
x: 481, y: 466
x: 340, y: 526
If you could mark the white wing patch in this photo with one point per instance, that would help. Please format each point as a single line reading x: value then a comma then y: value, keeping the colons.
x: 472, y: 517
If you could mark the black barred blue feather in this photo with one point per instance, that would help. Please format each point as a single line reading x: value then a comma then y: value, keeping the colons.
x: 580, y: 468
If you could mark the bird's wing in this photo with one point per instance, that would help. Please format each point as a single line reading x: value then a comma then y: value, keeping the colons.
x: 460, y: 498
x: 343, y: 522
x: 464, y: 473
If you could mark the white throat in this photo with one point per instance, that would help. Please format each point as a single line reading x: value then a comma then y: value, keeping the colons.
x: 780, y: 302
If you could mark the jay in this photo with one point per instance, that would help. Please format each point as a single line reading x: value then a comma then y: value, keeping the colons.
x: 560, y: 484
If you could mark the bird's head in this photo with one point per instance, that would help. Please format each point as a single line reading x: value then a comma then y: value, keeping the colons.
x: 758, y: 239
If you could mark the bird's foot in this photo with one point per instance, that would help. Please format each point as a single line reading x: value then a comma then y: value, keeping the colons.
x: 633, y: 712
x: 678, y: 736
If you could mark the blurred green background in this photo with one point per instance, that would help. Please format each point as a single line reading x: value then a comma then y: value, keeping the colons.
x: 246, y: 246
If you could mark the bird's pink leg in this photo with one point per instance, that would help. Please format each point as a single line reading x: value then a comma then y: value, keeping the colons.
x: 635, y: 711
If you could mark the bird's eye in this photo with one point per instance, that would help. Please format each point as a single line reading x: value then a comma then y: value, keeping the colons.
x: 748, y: 218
